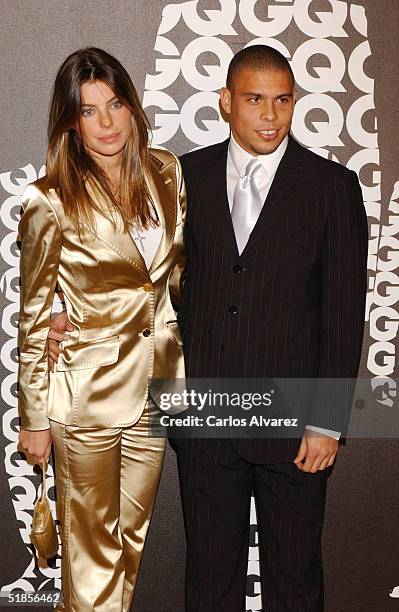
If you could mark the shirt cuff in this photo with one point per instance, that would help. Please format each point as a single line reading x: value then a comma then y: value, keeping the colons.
x: 326, y: 432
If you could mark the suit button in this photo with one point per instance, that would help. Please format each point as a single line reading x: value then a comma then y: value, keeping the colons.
x: 233, y: 310
x: 147, y: 287
x: 238, y: 269
x: 146, y: 332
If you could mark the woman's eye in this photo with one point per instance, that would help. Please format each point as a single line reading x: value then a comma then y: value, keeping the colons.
x: 87, y: 112
x: 116, y: 104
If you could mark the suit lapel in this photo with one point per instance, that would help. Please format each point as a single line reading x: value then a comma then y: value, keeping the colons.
x: 287, y: 187
x: 122, y: 243
x: 215, y: 197
x: 163, y: 189
x: 119, y: 241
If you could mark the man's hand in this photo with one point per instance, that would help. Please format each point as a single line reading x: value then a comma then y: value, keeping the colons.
x: 35, y: 444
x: 316, y: 452
x: 59, y: 325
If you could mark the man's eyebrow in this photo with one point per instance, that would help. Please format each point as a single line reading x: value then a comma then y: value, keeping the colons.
x: 94, y: 105
x: 259, y: 95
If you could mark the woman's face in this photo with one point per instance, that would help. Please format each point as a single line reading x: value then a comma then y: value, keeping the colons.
x: 105, y: 123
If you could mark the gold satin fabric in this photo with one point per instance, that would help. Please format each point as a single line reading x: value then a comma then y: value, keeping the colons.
x: 106, y: 485
x: 126, y: 330
x: 107, y: 468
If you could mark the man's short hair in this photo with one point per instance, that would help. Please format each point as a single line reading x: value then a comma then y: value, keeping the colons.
x: 259, y: 57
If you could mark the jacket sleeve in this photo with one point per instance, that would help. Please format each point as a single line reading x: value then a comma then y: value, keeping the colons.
x: 41, y: 240
x: 177, y: 277
x: 342, y: 302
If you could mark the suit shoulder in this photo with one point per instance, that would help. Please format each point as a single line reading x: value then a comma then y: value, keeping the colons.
x: 37, y: 191
x: 41, y: 199
x: 167, y: 163
x: 322, y: 168
x: 162, y: 157
x: 40, y: 208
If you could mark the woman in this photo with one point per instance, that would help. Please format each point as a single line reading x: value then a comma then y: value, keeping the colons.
x: 105, y: 224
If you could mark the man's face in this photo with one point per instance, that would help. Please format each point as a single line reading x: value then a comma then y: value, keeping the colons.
x: 260, y: 105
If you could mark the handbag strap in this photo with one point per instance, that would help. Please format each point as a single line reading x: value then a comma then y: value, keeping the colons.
x: 44, y: 470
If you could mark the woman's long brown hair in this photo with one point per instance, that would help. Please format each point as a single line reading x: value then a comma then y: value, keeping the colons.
x: 71, y: 170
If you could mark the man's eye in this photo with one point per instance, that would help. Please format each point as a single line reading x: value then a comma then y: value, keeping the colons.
x: 254, y: 99
x: 283, y: 100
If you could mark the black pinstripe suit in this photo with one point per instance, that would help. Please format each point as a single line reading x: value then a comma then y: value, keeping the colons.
x: 292, y: 305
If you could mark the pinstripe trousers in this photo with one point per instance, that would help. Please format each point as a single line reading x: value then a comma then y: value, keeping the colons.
x: 216, y: 488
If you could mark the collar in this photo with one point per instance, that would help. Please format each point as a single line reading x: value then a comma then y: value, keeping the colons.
x: 270, y: 162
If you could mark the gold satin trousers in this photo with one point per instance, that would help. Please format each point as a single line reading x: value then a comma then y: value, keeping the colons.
x: 106, y: 482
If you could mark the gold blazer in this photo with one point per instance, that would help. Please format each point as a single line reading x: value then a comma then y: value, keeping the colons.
x: 126, y: 329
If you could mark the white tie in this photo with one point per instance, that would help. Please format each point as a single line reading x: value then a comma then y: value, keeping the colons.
x: 247, y: 204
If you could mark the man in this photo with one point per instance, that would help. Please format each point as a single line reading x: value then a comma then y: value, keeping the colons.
x: 272, y: 290
x: 276, y: 241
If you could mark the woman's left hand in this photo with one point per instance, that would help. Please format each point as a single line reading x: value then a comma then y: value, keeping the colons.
x: 36, y: 444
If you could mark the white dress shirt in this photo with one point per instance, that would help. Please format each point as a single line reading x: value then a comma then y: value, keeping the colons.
x: 237, y: 159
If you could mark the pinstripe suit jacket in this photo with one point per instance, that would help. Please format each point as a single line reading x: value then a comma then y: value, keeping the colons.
x: 298, y: 288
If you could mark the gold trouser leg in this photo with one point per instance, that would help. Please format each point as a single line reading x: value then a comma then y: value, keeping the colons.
x: 106, y: 483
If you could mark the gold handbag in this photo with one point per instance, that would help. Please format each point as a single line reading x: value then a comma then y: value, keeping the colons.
x: 43, y: 534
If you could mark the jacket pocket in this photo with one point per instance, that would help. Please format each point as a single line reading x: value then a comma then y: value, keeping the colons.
x: 173, y: 327
x: 85, y: 355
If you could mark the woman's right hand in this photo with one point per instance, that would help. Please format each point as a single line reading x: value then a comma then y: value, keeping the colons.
x: 59, y: 326
x: 35, y: 444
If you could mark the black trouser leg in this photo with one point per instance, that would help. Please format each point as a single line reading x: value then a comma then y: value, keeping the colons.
x: 216, y: 488
x: 290, y: 510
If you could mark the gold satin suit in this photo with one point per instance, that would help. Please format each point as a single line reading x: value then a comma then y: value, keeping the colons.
x: 96, y: 402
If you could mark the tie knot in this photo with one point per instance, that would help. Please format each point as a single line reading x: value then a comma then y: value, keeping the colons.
x: 253, y: 167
